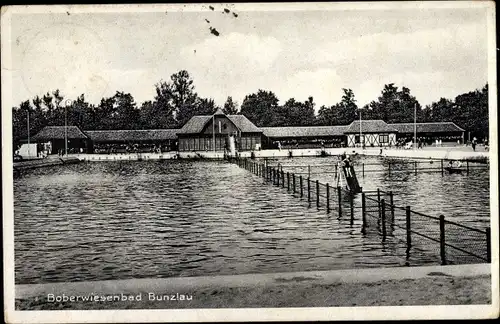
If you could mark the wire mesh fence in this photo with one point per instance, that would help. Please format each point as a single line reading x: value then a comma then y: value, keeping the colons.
x: 446, y: 241
x: 464, y: 244
x: 392, y: 166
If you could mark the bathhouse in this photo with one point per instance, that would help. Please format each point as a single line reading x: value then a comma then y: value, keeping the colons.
x: 201, y: 132
x: 55, y: 135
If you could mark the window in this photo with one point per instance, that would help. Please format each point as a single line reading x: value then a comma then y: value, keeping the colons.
x: 356, y: 139
x: 383, y: 139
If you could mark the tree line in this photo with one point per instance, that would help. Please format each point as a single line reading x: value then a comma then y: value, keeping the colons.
x: 176, y: 101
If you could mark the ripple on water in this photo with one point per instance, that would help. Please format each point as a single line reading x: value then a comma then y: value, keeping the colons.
x: 117, y: 220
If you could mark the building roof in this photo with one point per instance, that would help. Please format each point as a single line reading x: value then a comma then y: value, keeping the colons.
x: 129, y: 135
x: 304, y: 131
x: 437, y: 127
x: 244, y: 124
x: 59, y: 132
x: 196, y: 124
x: 370, y: 126
x: 219, y: 112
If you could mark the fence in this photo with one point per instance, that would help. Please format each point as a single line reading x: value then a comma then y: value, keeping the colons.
x: 391, y: 167
x: 452, y: 242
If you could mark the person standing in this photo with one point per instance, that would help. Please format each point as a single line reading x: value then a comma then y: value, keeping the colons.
x: 474, y: 142
x: 347, y: 165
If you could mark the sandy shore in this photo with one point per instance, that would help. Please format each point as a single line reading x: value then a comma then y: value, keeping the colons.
x: 435, y: 285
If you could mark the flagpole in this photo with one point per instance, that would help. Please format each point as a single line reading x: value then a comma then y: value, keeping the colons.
x: 65, y: 130
x: 29, y: 155
x: 415, y: 128
x: 360, y: 132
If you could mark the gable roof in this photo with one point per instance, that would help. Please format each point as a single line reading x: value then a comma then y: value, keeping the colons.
x: 196, y: 124
x: 129, y: 135
x: 219, y: 112
x: 244, y: 124
x: 59, y: 132
x: 436, y: 127
x: 371, y: 126
x: 304, y: 131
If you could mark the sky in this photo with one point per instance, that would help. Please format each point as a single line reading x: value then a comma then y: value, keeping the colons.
x: 294, y: 53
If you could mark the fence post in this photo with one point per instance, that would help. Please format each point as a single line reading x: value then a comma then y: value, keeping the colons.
x: 363, y: 212
x: 309, y: 190
x: 339, y: 195
x: 408, y: 229
x: 384, y: 232
x: 336, y: 170
x: 378, y: 202
x: 278, y: 178
x: 293, y: 176
x: 351, y: 203
x: 442, y: 168
x: 467, y: 167
x: 317, y: 194
x: 488, y: 245
x: 363, y: 169
x: 301, y: 187
x: 391, y: 200
x: 287, y: 182
x: 328, y: 198
x: 282, y: 178
x: 442, y: 241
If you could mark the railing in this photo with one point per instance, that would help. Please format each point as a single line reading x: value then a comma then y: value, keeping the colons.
x: 453, y: 242
x: 427, y: 166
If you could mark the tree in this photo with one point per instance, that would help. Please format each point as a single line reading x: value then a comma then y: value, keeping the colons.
x: 443, y: 110
x: 105, y: 113
x: 230, y: 107
x: 20, y: 122
x: 326, y: 116
x: 346, y: 109
x: 260, y: 107
x: 161, y: 112
x: 126, y: 114
x: 204, y: 106
x: 294, y: 113
x: 395, y: 106
x: 183, y: 97
x: 306, y: 112
x: 471, y: 112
